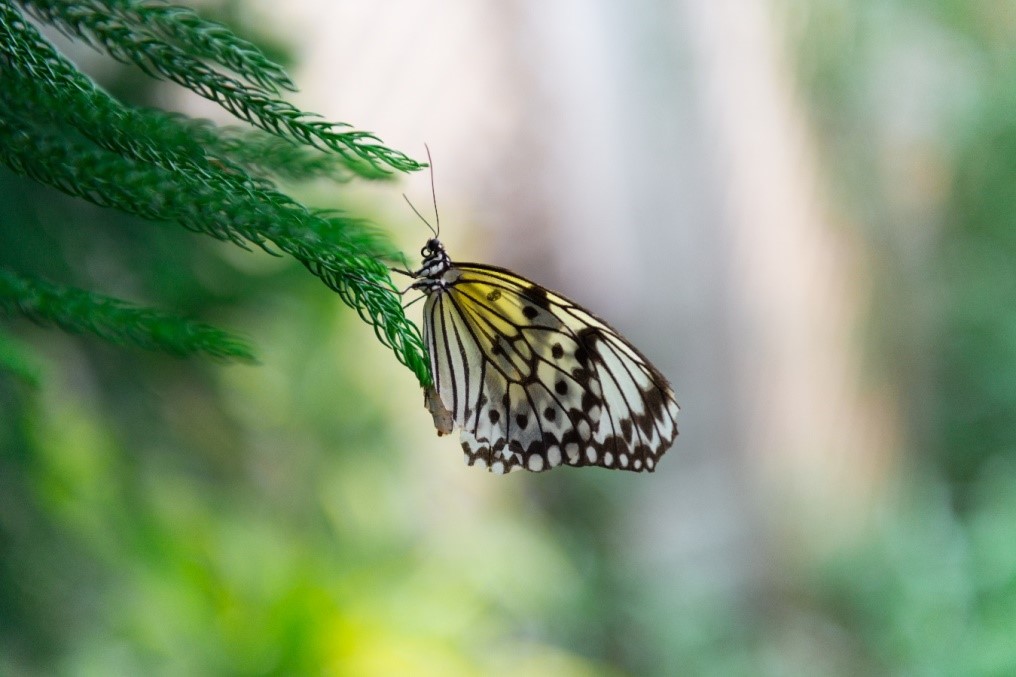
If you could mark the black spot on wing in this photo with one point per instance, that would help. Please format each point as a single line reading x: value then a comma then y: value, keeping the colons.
x: 589, y: 401
x: 587, y: 338
x: 537, y: 296
x: 645, y: 422
x: 654, y: 401
x: 626, y: 429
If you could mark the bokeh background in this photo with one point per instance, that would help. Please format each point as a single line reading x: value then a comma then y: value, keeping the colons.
x: 804, y: 212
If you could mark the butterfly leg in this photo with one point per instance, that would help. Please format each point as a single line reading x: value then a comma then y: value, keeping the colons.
x: 413, y: 301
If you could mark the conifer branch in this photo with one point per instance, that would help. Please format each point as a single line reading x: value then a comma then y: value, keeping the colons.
x: 266, y: 155
x: 78, y: 311
x: 251, y: 102
x: 183, y: 28
x: 57, y: 127
x: 345, y: 254
x: 49, y: 87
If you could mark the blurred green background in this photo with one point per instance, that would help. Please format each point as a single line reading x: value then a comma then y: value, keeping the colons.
x: 842, y: 499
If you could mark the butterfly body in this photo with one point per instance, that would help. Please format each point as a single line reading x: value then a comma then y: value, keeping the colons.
x: 533, y: 380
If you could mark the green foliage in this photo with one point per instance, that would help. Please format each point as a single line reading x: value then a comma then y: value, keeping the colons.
x: 78, y: 311
x: 976, y: 409
x: 933, y: 589
x: 158, y: 28
x: 59, y: 128
x: 932, y: 592
x: 17, y: 359
x: 143, y: 34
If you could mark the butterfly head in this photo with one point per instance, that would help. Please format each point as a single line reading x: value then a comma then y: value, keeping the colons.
x: 435, y: 263
x: 432, y: 247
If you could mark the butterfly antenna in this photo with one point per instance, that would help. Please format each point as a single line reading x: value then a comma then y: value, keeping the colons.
x: 433, y: 192
x: 418, y: 214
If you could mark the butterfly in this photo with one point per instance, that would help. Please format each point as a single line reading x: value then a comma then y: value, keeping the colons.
x: 533, y: 380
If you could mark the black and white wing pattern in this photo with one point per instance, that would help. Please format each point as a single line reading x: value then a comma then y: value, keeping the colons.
x: 533, y: 380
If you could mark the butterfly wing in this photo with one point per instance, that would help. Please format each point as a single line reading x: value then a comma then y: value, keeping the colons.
x: 534, y: 381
